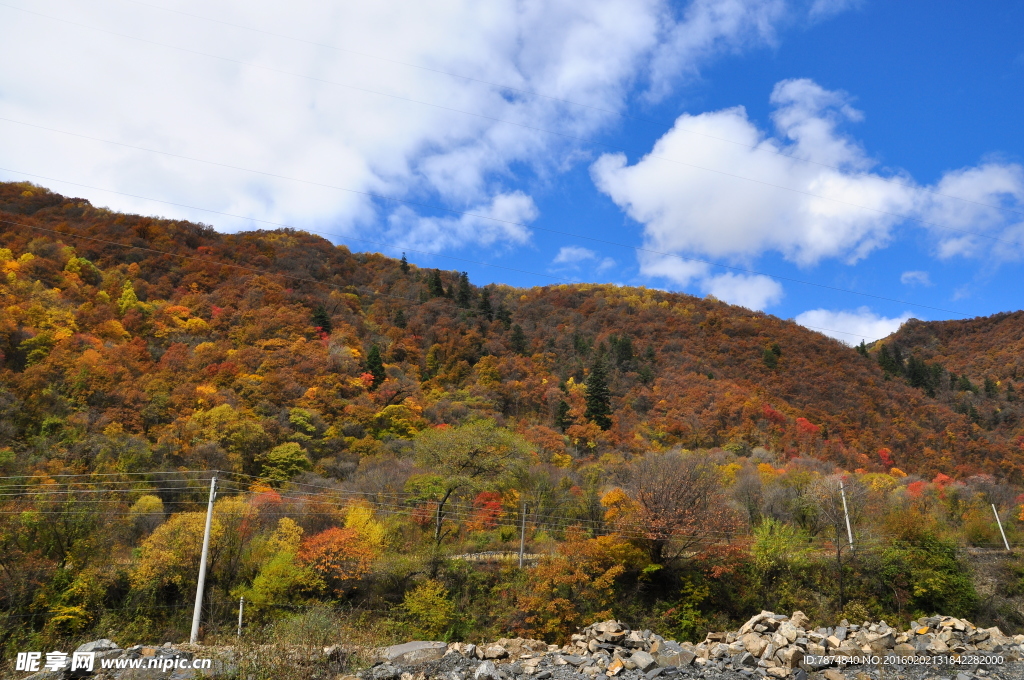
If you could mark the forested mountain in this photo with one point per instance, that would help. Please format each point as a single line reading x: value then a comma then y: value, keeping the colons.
x: 130, y: 342
x: 669, y: 460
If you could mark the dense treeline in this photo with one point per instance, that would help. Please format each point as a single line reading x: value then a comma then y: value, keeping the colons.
x: 130, y: 345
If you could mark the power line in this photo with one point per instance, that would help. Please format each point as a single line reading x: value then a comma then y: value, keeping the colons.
x: 669, y: 124
x: 509, y: 222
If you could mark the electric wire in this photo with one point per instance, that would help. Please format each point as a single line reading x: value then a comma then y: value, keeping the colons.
x: 534, y: 93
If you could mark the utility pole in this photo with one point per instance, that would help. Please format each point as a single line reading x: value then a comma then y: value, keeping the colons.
x: 1000, y: 523
x: 522, y: 535
x: 197, y: 612
x: 846, y: 513
x: 241, y: 606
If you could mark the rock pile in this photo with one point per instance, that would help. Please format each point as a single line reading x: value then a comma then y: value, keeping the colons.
x: 767, y: 646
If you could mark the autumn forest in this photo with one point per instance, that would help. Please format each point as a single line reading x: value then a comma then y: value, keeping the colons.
x: 383, y: 434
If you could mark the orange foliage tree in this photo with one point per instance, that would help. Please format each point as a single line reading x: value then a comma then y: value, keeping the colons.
x: 338, y: 557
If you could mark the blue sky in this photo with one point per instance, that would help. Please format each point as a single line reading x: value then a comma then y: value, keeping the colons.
x: 854, y: 163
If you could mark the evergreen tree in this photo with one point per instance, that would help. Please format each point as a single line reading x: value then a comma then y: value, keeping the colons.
x: 465, y: 294
x: 375, y: 366
x: 599, y: 397
x: 1011, y: 393
x: 518, y: 340
x: 562, y: 419
x: 623, y: 350
x: 503, y: 315
x: 991, y: 389
x: 400, y: 321
x: 322, y: 320
x: 776, y: 349
x: 770, y: 358
x: 486, y: 310
x: 862, y: 349
x: 888, y: 362
x: 434, y: 284
x: 649, y: 354
x: 404, y: 264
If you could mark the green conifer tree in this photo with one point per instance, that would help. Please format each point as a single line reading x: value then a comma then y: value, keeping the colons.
x: 400, y: 321
x: 464, y: 295
x: 434, y: 285
x: 404, y: 265
x: 486, y: 310
x: 518, y: 340
x: 599, y: 397
x: 503, y: 315
x: 375, y: 366
x: 562, y: 419
x: 322, y: 320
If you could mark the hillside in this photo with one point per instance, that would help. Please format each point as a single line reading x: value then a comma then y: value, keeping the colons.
x: 209, y: 349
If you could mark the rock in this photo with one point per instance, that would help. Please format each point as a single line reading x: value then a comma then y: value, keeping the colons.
x: 799, y: 619
x: 385, y: 671
x: 754, y: 643
x: 494, y: 652
x: 643, y: 661
x: 487, y: 671
x: 746, y: 659
x: 788, y: 631
x: 615, y: 667
x: 904, y: 649
x: 792, y: 656
x: 778, y: 672
x: 415, y: 653
x: 754, y: 620
x: 833, y: 674
x: 103, y: 645
x: 683, y: 657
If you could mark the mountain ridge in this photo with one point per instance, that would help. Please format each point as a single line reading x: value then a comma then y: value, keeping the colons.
x: 156, y: 323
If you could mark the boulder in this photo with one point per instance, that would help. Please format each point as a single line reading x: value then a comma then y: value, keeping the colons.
x: 799, y: 619
x: 487, y: 671
x: 754, y: 643
x: 415, y: 653
x: 643, y: 661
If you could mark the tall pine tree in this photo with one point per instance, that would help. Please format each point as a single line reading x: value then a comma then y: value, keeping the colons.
x: 599, y: 397
x: 404, y: 264
x: 375, y: 366
x: 518, y: 340
x: 434, y: 284
x: 485, y: 305
x: 322, y: 320
x: 464, y: 295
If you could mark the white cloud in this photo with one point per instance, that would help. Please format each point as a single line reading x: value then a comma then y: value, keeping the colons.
x: 573, y: 255
x: 915, y: 278
x: 851, y: 326
x: 596, y: 53
x: 495, y: 223
x: 809, y: 193
x: 752, y: 292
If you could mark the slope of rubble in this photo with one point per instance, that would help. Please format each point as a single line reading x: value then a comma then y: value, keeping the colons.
x: 769, y: 645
